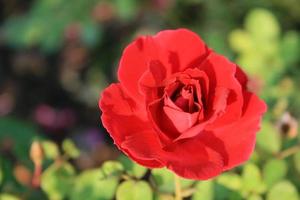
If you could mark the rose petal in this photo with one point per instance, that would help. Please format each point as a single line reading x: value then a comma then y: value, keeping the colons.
x: 169, y: 120
x: 157, y: 133
x: 219, y: 105
x: 154, y: 76
x: 222, y: 75
x: 203, y: 86
x: 134, y: 63
x: 190, y: 159
x: 241, y: 77
x: 239, y: 138
x: 151, y: 80
x: 121, y: 118
x: 144, y: 148
x: 164, y: 126
x: 181, y: 120
x: 176, y: 50
x: 184, y: 48
x: 194, y: 160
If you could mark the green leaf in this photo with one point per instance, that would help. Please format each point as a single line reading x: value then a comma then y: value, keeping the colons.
x: 89, y: 185
x: 268, y: 139
x: 45, y: 23
x: 217, y: 41
x: 19, y: 134
x: 164, y: 180
x: 224, y: 193
x: 296, y: 159
x: 240, y: 40
x: 134, y: 190
x: 51, y: 150
x: 283, y: 190
x: 70, y: 148
x: 1, y: 172
x: 204, y: 191
x: 164, y: 197
x: 254, y: 197
x: 8, y: 177
x: 8, y: 197
x: 273, y: 171
x: 132, y: 168
x: 230, y: 180
x: 265, y: 20
x: 126, y: 9
x: 252, y: 180
x: 111, y: 169
x: 90, y: 33
x: 57, y: 181
x: 290, y: 47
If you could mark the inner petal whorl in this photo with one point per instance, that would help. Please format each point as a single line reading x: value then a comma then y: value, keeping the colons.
x: 185, y: 99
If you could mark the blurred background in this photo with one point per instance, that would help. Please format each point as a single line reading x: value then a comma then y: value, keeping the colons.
x: 56, y: 56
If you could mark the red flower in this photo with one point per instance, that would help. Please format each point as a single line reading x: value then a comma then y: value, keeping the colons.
x: 182, y: 106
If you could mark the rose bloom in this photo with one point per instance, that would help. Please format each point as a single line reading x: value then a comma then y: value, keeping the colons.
x: 180, y: 105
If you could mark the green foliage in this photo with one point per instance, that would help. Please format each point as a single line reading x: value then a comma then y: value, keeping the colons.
x: 70, y: 148
x: 58, y: 180
x: 204, y: 191
x: 164, y: 180
x: 252, y: 180
x: 134, y: 190
x: 51, y: 150
x: 254, y: 197
x: 126, y: 9
x: 268, y: 139
x: 8, y: 197
x: 91, y: 185
x: 258, y: 48
x: 230, y: 180
x: 133, y: 169
x: 47, y: 21
x: 1, y: 172
x: 283, y: 190
x: 111, y: 169
x: 273, y: 171
x: 296, y: 159
x: 164, y: 197
x: 267, y: 23
x: 20, y: 134
x: 290, y: 48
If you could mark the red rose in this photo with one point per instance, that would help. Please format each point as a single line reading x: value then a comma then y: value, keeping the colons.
x: 182, y: 106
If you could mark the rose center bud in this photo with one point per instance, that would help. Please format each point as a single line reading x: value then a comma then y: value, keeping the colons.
x: 185, y: 99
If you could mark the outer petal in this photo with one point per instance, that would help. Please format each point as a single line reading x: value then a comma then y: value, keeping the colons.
x: 164, y: 126
x: 135, y: 62
x: 184, y: 48
x: 241, y: 77
x: 176, y: 50
x: 194, y: 160
x: 124, y: 121
x: 239, y: 138
x: 240, y: 150
x: 190, y: 158
x: 222, y: 74
x: 144, y: 148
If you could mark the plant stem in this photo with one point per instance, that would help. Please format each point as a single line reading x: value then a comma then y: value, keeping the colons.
x: 178, y: 194
x: 288, y: 152
x: 36, y: 179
